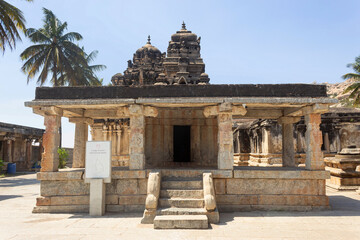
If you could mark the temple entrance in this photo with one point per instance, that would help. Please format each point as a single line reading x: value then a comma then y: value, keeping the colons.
x: 182, y: 143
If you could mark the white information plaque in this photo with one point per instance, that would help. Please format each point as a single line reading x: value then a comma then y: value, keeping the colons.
x: 98, y: 160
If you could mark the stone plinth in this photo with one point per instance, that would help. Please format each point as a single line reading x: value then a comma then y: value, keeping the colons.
x: 344, y: 169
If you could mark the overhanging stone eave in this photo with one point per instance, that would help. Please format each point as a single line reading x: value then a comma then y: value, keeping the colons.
x: 296, y: 101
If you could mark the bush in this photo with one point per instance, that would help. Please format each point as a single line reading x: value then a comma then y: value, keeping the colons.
x: 63, y: 157
x: 1, y: 165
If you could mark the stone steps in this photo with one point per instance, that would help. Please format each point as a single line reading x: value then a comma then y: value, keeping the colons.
x: 181, y: 193
x: 182, y: 184
x: 181, y: 202
x: 181, y: 222
x: 181, y: 211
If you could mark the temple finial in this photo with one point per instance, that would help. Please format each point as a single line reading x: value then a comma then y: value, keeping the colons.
x: 148, y: 42
x: 183, y: 26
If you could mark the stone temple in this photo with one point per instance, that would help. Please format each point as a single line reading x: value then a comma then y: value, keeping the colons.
x: 172, y: 141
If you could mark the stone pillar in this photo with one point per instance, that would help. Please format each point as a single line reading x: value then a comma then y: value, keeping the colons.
x: 118, y: 144
x: 9, y: 150
x: 225, y: 137
x: 327, y: 142
x: 313, y: 138
x: 137, y: 137
x: 28, y: 152
x: 288, y: 151
x: 51, y: 142
x: 81, y: 136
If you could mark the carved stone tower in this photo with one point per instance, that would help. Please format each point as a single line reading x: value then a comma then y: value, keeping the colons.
x: 183, y: 64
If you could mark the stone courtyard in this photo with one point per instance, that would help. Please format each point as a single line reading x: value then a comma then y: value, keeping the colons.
x: 18, y: 194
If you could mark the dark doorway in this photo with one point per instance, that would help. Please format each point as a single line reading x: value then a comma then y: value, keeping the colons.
x: 181, y: 143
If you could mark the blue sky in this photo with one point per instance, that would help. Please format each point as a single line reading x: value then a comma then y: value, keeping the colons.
x: 242, y: 42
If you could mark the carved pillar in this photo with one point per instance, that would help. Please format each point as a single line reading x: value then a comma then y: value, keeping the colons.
x: 51, y: 142
x: 137, y: 134
x: 225, y: 137
x: 81, y: 136
x: 224, y: 113
x: 137, y: 137
x: 118, y: 144
x: 313, y: 138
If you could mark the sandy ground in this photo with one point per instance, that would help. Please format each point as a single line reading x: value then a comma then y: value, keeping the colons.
x: 18, y: 193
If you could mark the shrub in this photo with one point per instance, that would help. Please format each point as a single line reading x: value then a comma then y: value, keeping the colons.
x: 63, y: 157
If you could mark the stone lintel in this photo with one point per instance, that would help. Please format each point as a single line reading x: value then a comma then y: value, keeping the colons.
x: 316, y: 108
x: 48, y: 110
x: 288, y: 120
x: 213, y: 111
x: 81, y: 120
x: 73, y: 112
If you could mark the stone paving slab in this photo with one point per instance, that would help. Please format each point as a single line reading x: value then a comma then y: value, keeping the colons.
x: 18, y: 195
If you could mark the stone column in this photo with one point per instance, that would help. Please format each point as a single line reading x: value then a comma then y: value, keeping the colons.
x: 9, y: 150
x: 51, y: 142
x: 137, y: 137
x: 81, y: 136
x: 288, y: 151
x: 28, y: 152
x: 313, y: 138
x: 225, y: 137
x: 118, y: 144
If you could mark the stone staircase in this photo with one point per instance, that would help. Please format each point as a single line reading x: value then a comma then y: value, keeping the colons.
x: 181, y: 203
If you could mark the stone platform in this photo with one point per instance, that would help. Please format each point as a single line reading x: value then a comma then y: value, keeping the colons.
x: 344, y: 169
x: 241, y: 189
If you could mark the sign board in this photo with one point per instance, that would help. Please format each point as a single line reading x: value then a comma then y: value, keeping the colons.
x: 98, y: 160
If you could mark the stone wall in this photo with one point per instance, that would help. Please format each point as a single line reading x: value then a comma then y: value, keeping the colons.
x: 66, y: 191
x: 243, y: 189
x: 271, y: 190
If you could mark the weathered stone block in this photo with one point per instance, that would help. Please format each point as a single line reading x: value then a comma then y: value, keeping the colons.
x: 127, y: 187
x: 219, y: 185
x: 61, y: 175
x: 63, y: 188
x: 237, y: 199
x: 271, y: 186
x: 126, y: 174
x: 111, y: 199
x: 132, y: 200
x: 69, y: 200
x: 43, y: 201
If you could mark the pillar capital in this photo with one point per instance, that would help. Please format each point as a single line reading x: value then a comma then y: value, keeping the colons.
x: 48, y: 110
x: 224, y: 108
x: 138, y: 110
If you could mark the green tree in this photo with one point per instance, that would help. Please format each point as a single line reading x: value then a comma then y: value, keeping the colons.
x: 355, y: 86
x: 84, y: 74
x: 11, y: 20
x: 54, y: 52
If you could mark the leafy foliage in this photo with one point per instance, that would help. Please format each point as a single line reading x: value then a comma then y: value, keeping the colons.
x: 355, y: 86
x: 11, y: 20
x: 63, y: 157
x: 56, y: 53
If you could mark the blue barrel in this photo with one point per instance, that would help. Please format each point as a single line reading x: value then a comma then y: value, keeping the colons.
x: 11, y: 168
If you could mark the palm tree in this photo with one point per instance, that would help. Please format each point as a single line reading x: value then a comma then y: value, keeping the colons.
x: 84, y: 75
x: 11, y: 20
x: 54, y: 53
x: 355, y: 86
